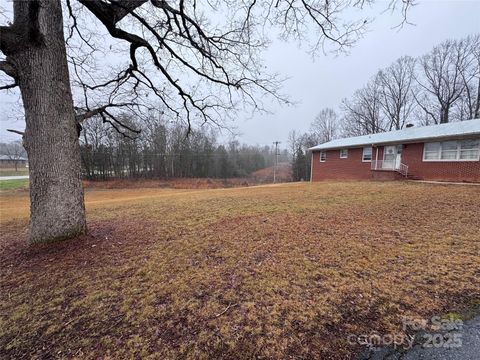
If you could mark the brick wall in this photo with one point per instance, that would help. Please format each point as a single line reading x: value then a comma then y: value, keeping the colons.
x: 412, y: 156
x: 385, y: 175
x: 353, y: 168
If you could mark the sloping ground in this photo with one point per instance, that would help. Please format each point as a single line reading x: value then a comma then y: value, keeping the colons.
x: 278, y: 272
x: 283, y: 174
x: 177, y: 183
x: 132, y: 183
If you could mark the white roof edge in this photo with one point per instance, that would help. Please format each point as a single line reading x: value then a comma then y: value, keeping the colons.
x: 420, y: 133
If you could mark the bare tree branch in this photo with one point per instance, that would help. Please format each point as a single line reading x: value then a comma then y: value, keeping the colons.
x: 16, y: 132
x: 9, y: 39
x: 102, y: 109
x: 8, y: 69
x: 221, y: 65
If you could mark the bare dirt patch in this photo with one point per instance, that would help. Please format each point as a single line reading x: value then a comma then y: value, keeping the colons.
x: 284, y: 271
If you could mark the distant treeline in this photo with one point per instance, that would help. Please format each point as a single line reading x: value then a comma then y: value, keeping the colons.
x: 162, y: 150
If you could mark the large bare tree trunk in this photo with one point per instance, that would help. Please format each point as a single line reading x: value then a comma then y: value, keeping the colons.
x: 444, y: 114
x: 57, y: 208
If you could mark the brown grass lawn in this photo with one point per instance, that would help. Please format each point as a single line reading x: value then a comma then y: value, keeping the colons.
x: 285, y: 271
x: 12, y: 172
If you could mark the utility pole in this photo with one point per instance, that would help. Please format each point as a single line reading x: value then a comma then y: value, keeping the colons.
x: 276, y: 161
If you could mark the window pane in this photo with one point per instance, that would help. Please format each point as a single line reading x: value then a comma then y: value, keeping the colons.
x: 432, y: 151
x: 344, y: 153
x: 469, y: 144
x: 432, y: 146
x: 449, y: 154
x: 367, y: 153
x: 323, y: 155
x: 449, y: 145
x: 431, y: 155
x: 469, y: 154
x: 449, y: 150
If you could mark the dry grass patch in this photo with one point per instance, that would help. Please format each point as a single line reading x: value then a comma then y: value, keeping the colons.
x: 175, y: 183
x: 285, y: 271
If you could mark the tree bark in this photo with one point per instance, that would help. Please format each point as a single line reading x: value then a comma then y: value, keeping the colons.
x: 476, y: 114
x: 444, y: 114
x: 57, y: 209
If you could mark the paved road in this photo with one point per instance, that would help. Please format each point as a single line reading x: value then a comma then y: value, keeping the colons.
x: 13, y: 177
x: 469, y: 350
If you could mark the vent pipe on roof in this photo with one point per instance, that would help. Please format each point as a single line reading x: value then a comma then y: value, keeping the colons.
x: 409, y: 125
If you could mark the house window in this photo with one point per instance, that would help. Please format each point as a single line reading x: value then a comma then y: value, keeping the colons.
x: 367, y: 153
x: 343, y: 153
x: 449, y: 150
x: 323, y: 156
x: 432, y: 151
x: 470, y: 149
x: 463, y: 150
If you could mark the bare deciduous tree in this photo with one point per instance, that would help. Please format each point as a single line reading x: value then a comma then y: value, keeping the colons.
x: 469, y: 102
x: 293, y: 140
x: 199, y: 59
x: 326, y: 125
x: 396, y: 96
x: 14, y: 151
x: 440, y: 78
x: 362, y: 113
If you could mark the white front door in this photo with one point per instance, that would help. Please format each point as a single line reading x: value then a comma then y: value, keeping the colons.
x: 389, y: 157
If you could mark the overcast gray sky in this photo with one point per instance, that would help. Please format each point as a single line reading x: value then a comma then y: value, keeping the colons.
x: 324, y: 81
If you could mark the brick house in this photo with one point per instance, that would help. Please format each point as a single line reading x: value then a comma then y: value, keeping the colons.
x: 447, y: 152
